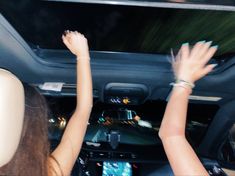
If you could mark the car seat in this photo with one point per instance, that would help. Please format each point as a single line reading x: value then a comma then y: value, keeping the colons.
x: 11, y: 114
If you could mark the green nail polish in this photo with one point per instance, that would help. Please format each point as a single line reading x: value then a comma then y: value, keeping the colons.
x: 214, y: 65
x: 209, y: 42
x: 202, y: 41
x: 185, y: 44
x: 215, y: 46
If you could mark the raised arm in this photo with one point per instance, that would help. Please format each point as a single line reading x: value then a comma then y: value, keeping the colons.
x: 189, y: 66
x: 68, y: 150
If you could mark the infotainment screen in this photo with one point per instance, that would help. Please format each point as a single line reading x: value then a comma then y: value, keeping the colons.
x: 116, y: 169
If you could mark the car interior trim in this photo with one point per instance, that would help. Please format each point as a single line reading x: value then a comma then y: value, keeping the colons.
x: 154, y: 4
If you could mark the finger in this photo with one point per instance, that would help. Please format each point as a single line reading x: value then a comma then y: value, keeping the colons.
x: 77, y: 32
x: 204, y: 49
x: 178, y: 56
x: 211, y: 51
x: 80, y: 34
x: 70, y: 34
x: 73, y: 32
x: 185, y: 51
x: 173, y: 58
x: 66, y: 32
x: 65, y: 40
x: 196, y: 49
x: 175, y: 68
x: 207, y: 69
x: 63, y: 37
x: 173, y: 62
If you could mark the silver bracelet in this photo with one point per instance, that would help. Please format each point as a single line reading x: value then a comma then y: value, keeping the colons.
x: 182, y: 85
x: 181, y: 81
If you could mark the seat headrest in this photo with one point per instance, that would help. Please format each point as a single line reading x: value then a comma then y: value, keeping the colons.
x: 11, y: 115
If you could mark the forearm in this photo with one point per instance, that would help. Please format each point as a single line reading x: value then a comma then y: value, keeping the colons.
x: 84, y: 85
x: 180, y: 154
x: 174, y: 119
x: 77, y: 125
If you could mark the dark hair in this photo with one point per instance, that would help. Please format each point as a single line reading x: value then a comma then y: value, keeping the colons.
x: 32, y: 154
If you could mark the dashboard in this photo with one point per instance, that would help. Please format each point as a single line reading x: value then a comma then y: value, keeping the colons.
x: 115, y: 141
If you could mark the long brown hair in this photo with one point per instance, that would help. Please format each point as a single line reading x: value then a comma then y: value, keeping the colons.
x: 33, y: 151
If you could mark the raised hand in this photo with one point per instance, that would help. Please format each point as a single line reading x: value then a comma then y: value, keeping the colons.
x: 190, y: 64
x: 76, y: 43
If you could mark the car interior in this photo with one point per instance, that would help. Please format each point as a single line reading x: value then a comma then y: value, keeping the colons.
x: 131, y: 43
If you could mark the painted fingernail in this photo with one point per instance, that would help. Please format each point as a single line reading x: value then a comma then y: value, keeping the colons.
x: 209, y: 43
x: 214, y: 65
x: 215, y: 46
x: 202, y: 41
x: 185, y: 44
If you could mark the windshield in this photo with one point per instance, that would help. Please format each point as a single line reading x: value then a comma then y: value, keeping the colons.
x: 119, y: 28
x: 135, y: 125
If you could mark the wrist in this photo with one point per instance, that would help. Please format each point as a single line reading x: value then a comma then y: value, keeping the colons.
x: 181, y: 89
x: 183, y: 85
x: 184, y: 82
x: 84, y: 57
x: 185, y: 78
x: 82, y: 54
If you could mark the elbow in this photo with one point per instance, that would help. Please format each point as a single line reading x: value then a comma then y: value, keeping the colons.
x: 85, y: 103
x: 162, y: 133
x: 168, y: 132
x: 84, y: 108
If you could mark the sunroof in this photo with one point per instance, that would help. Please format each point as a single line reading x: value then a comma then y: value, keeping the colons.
x: 195, y: 4
x: 119, y: 28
